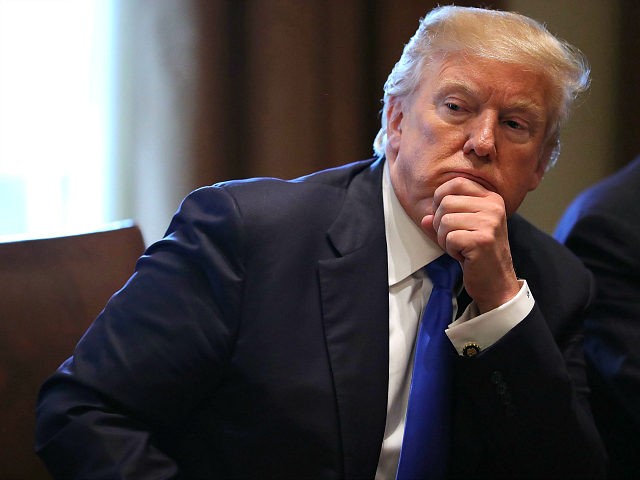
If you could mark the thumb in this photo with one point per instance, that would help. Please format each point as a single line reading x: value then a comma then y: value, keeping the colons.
x: 428, y: 227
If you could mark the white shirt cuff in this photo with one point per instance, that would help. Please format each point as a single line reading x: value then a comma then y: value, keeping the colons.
x: 486, y: 329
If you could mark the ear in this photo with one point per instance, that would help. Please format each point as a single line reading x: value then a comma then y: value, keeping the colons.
x: 394, y: 123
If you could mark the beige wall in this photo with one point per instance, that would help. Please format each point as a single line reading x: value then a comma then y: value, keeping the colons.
x: 588, y: 138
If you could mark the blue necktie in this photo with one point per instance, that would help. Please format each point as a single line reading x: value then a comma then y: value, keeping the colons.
x: 425, y: 445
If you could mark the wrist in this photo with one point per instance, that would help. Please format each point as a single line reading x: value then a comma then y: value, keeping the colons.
x: 498, y: 297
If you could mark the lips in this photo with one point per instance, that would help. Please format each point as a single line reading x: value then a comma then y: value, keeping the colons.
x: 471, y: 176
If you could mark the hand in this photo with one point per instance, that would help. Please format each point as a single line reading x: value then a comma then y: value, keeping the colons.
x: 470, y: 224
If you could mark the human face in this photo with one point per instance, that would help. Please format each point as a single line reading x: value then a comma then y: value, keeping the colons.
x: 469, y: 117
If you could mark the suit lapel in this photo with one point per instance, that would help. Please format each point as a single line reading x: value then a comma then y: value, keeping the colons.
x: 354, y: 291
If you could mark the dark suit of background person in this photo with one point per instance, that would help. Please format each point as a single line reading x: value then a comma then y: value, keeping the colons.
x: 253, y: 340
x: 602, y: 227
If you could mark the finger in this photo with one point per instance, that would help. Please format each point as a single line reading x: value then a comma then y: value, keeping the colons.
x: 459, y: 186
x: 447, y: 229
x: 467, y: 244
x: 457, y: 204
x: 491, y: 218
x: 428, y: 228
x: 465, y: 232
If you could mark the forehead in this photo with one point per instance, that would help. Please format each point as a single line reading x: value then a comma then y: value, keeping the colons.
x: 505, y: 85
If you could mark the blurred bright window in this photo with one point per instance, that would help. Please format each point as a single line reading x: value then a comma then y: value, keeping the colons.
x: 55, y: 88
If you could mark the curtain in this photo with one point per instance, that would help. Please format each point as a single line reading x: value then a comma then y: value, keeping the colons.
x: 214, y: 90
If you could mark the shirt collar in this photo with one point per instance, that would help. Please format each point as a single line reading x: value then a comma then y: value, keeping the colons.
x: 408, y: 247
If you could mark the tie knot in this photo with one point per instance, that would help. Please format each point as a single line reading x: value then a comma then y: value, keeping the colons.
x: 444, y: 272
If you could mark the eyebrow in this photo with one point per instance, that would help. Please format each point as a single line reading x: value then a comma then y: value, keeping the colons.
x: 455, y: 86
x: 528, y: 105
x: 525, y: 105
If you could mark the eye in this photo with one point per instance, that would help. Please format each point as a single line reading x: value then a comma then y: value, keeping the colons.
x: 453, y: 109
x: 513, y: 124
x: 518, y: 129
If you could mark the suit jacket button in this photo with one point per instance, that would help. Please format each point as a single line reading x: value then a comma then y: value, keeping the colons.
x: 501, y: 387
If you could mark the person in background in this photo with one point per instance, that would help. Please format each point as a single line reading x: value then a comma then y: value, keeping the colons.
x: 272, y: 332
x: 602, y: 227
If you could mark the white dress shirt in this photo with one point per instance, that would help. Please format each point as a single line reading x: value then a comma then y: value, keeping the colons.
x: 408, y: 251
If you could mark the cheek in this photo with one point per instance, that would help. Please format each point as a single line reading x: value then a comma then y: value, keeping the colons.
x: 442, y: 142
x: 515, y: 189
x: 412, y: 166
x: 421, y: 149
x: 434, y: 135
x: 402, y: 172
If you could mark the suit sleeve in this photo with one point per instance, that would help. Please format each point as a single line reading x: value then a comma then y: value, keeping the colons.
x: 159, y: 347
x: 522, y: 408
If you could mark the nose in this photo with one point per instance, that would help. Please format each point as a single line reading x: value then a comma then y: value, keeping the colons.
x: 481, y: 136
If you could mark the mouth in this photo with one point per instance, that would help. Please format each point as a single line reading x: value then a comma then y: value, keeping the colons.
x: 480, y: 180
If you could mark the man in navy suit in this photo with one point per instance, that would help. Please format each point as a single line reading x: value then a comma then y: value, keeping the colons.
x: 270, y: 334
x: 602, y: 227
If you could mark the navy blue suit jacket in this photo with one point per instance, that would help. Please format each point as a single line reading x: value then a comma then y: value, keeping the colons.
x: 252, y: 342
x: 602, y: 226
